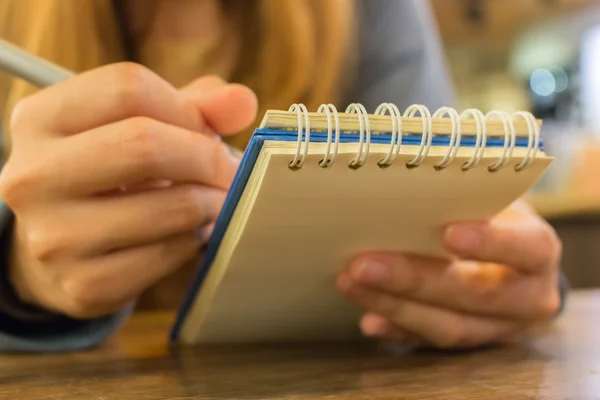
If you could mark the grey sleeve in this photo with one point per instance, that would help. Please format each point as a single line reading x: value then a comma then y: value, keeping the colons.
x: 25, y: 329
x: 401, y: 58
x: 402, y: 62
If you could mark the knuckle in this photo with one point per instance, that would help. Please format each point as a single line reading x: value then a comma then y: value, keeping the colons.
x: 549, y: 240
x: 83, y: 299
x: 46, y: 245
x: 139, y: 143
x: 130, y: 86
x: 20, y: 112
x: 16, y: 184
x: 554, y: 244
x: 549, y: 304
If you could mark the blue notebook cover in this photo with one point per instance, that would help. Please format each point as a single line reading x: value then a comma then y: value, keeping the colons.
x: 245, y: 169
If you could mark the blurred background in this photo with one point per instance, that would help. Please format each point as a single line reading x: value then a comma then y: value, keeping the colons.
x: 542, y: 56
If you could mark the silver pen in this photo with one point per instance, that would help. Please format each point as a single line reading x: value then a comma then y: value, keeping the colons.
x: 39, y: 71
x: 33, y: 69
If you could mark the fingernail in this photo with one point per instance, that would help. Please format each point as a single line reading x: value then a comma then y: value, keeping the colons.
x: 373, y: 326
x: 463, y: 237
x: 374, y: 330
x: 370, y: 271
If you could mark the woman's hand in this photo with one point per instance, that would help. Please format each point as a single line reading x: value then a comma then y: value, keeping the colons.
x: 112, y: 177
x: 504, y: 278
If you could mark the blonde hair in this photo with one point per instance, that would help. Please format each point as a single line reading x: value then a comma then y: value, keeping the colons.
x: 291, y: 50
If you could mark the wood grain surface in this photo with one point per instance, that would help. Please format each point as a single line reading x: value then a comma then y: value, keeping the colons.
x: 557, y: 362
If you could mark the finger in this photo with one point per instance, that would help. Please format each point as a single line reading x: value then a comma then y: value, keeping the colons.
x: 226, y: 109
x: 135, y: 219
x: 203, y: 87
x: 106, y: 95
x: 463, y: 286
x: 376, y: 326
x: 441, y: 327
x: 530, y: 245
x: 206, y: 231
x: 106, y: 283
x: 137, y: 150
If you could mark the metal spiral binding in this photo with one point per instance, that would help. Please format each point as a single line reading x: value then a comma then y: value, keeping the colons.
x: 480, y: 141
x: 363, y: 119
x: 510, y: 138
x: 454, y: 138
x: 301, y: 110
x: 328, y: 109
x: 396, y: 132
x: 364, y: 132
x: 533, y: 144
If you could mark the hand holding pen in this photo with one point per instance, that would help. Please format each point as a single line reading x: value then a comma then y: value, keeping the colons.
x: 112, y: 179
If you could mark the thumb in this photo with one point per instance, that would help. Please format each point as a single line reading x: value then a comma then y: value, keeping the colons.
x: 226, y: 108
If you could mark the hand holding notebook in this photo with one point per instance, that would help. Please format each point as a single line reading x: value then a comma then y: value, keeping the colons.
x: 316, y: 189
x: 503, y: 279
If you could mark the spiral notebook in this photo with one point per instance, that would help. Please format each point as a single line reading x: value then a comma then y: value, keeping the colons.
x: 316, y: 188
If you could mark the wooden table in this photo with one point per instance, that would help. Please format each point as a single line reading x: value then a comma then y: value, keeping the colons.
x: 561, y: 362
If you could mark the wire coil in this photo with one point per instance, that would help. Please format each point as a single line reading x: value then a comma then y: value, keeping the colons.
x: 391, y: 110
